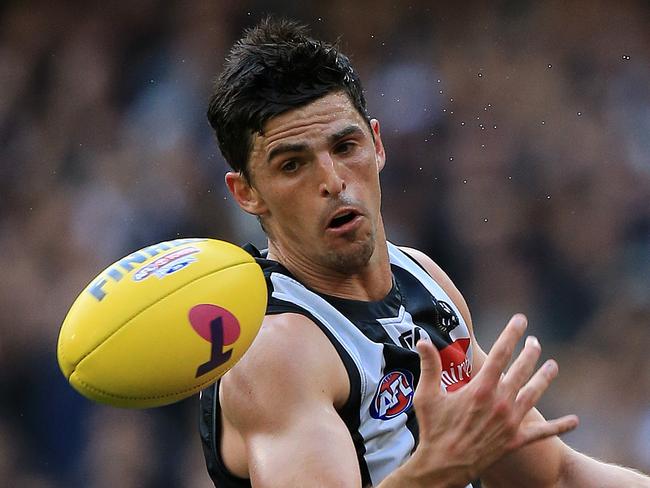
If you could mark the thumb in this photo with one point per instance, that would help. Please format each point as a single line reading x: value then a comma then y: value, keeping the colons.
x: 430, y: 370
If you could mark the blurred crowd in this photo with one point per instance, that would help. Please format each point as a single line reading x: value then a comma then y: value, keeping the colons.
x: 518, y: 143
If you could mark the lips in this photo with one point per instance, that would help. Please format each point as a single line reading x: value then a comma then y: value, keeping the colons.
x: 342, y: 217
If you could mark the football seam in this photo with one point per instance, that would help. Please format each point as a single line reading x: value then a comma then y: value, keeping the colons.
x: 74, y: 368
x: 154, y: 397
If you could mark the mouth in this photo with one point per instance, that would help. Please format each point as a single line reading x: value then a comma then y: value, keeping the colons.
x: 343, y: 220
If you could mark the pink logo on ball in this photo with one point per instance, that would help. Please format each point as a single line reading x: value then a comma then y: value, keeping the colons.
x: 217, y: 326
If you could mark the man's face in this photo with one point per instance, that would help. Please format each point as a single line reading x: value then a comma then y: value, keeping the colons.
x: 315, y: 184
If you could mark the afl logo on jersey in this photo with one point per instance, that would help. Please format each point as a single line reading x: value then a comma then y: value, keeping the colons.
x: 394, y: 395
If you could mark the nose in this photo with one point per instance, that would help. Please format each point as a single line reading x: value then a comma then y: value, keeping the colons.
x: 332, y: 181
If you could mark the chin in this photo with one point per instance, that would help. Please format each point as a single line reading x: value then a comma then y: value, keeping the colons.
x: 353, y: 257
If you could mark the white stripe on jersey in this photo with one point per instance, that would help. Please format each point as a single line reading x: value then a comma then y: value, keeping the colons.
x: 388, y: 442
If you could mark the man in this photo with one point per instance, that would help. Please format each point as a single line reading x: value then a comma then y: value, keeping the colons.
x: 343, y: 385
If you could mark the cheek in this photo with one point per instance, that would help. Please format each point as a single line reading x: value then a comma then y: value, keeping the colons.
x: 290, y: 209
x: 369, y: 179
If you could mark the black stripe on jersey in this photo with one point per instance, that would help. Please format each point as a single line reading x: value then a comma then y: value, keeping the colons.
x: 210, y: 431
x: 422, y: 307
x: 397, y: 357
x: 349, y: 412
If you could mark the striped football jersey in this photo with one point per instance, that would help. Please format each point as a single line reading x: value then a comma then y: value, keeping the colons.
x: 376, y: 343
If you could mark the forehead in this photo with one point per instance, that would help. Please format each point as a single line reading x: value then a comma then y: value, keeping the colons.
x: 307, y: 124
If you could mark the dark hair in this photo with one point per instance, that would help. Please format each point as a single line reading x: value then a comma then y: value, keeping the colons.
x: 274, y: 68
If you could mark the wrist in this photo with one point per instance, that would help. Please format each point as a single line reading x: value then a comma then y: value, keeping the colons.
x: 416, y: 474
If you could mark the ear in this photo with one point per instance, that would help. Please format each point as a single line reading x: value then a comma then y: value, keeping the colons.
x: 246, y: 196
x: 380, y: 155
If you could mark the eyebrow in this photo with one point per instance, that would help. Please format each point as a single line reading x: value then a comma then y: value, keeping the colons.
x: 286, y: 148
x: 301, y: 146
x: 346, y: 131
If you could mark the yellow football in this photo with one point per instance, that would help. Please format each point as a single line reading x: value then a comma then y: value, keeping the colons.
x: 162, y: 323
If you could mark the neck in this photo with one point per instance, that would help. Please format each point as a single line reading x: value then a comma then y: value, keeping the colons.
x: 370, y: 283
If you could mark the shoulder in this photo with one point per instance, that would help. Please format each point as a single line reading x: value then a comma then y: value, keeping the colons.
x: 290, y: 366
x: 445, y: 282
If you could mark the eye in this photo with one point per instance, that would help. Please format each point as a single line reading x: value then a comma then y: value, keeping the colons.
x: 289, y: 166
x: 344, y: 147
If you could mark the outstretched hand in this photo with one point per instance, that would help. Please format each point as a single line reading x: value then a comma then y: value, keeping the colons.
x: 467, y: 430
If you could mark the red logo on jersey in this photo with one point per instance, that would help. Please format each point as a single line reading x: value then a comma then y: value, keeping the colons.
x: 394, y: 395
x: 456, y: 366
x: 217, y: 326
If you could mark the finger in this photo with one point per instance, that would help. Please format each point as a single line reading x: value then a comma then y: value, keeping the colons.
x: 521, y: 370
x: 502, y: 350
x: 430, y: 371
x: 530, y: 394
x: 536, y: 431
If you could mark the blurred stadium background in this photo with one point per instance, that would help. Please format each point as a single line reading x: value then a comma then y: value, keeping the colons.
x: 518, y: 140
